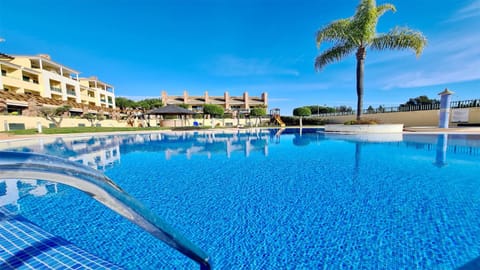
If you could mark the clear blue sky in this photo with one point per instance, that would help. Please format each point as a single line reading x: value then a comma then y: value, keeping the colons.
x: 146, y: 46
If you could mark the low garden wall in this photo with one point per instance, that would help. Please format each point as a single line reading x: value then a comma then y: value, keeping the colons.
x: 26, y: 122
x: 10, y: 122
x: 409, y: 119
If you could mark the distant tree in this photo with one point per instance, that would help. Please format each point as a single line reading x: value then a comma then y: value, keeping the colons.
x: 420, y: 100
x: 213, y: 110
x: 258, y: 112
x: 185, y: 106
x: 54, y: 115
x: 316, y: 109
x: 302, y: 112
x: 370, y: 109
x: 100, y: 116
x: 380, y: 109
x: 149, y: 103
x: 90, y: 117
x: 123, y: 103
x: 93, y: 117
x: 344, y: 108
x: 357, y: 33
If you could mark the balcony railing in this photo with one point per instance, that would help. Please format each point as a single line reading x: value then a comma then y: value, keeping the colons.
x: 424, y: 107
x: 465, y: 103
x: 103, y: 100
x: 28, y: 79
x: 56, y: 89
x: 25, y: 79
x: 71, y: 92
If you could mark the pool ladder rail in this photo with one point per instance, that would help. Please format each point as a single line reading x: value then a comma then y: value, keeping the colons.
x: 19, y: 165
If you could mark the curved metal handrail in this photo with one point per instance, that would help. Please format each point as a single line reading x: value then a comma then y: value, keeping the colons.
x: 18, y: 165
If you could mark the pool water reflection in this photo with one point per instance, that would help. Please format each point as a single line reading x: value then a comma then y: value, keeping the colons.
x: 275, y: 198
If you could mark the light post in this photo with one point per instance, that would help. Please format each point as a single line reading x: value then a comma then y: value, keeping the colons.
x: 444, y: 108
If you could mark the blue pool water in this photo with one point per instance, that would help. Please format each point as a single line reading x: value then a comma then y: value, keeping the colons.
x: 265, y: 200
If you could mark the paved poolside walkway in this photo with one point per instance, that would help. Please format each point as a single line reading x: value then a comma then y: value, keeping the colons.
x: 424, y: 129
x: 6, y: 136
x: 466, y: 130
x: 421, y: 129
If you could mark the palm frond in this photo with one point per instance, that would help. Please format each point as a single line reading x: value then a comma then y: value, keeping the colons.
x: 333, y: 54
x: 364, y: 22
x: 401, y: 38
x: 384, y: 8
x: 336, y: 31
x: 365, y: 5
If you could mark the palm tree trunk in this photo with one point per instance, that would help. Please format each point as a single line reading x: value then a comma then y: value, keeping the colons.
x: 361, y: 52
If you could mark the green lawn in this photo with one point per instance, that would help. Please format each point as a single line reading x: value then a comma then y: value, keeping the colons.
x: 66, y: 130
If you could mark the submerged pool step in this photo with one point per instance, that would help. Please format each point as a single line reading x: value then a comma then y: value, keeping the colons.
x: 24, y: 245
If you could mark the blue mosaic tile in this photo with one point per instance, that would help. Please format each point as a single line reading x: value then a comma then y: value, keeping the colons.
x: 24, y: 245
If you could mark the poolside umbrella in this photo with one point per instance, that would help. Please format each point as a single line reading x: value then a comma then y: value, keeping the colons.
x: 170, y: 110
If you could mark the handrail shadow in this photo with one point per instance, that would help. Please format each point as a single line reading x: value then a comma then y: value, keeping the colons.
x: 471, y: 265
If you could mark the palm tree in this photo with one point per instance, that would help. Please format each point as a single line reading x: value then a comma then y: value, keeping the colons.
x: 359, y: 33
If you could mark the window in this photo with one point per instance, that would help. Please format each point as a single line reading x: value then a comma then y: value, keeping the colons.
x: 4, y: 72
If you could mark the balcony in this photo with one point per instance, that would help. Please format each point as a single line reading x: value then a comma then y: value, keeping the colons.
x: 31, y: 80
x: 71, y: 92
x: 103, y: 100
x: 24, y: 78
x: 56, y: 89
x: 54, y: 71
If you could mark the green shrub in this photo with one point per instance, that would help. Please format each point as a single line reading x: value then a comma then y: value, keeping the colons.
x: 363, y: 122
x: 295, y: 121
x: 302, y: 111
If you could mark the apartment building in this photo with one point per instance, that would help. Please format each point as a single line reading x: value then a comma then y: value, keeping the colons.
x: 241, y: 103
x: 50, y: 83
x: 96, y: 93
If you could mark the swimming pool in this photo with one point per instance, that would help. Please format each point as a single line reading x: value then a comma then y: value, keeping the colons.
x: 265, y: 199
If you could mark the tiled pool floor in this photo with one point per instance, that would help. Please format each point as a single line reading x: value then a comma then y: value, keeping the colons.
x: 24, y: 245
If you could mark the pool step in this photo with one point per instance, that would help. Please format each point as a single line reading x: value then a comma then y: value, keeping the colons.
x: 24, y: 245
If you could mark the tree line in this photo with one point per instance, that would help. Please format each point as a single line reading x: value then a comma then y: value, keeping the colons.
x: 145, y: 104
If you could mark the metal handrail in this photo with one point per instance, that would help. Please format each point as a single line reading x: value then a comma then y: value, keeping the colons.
x: 15, y: 165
